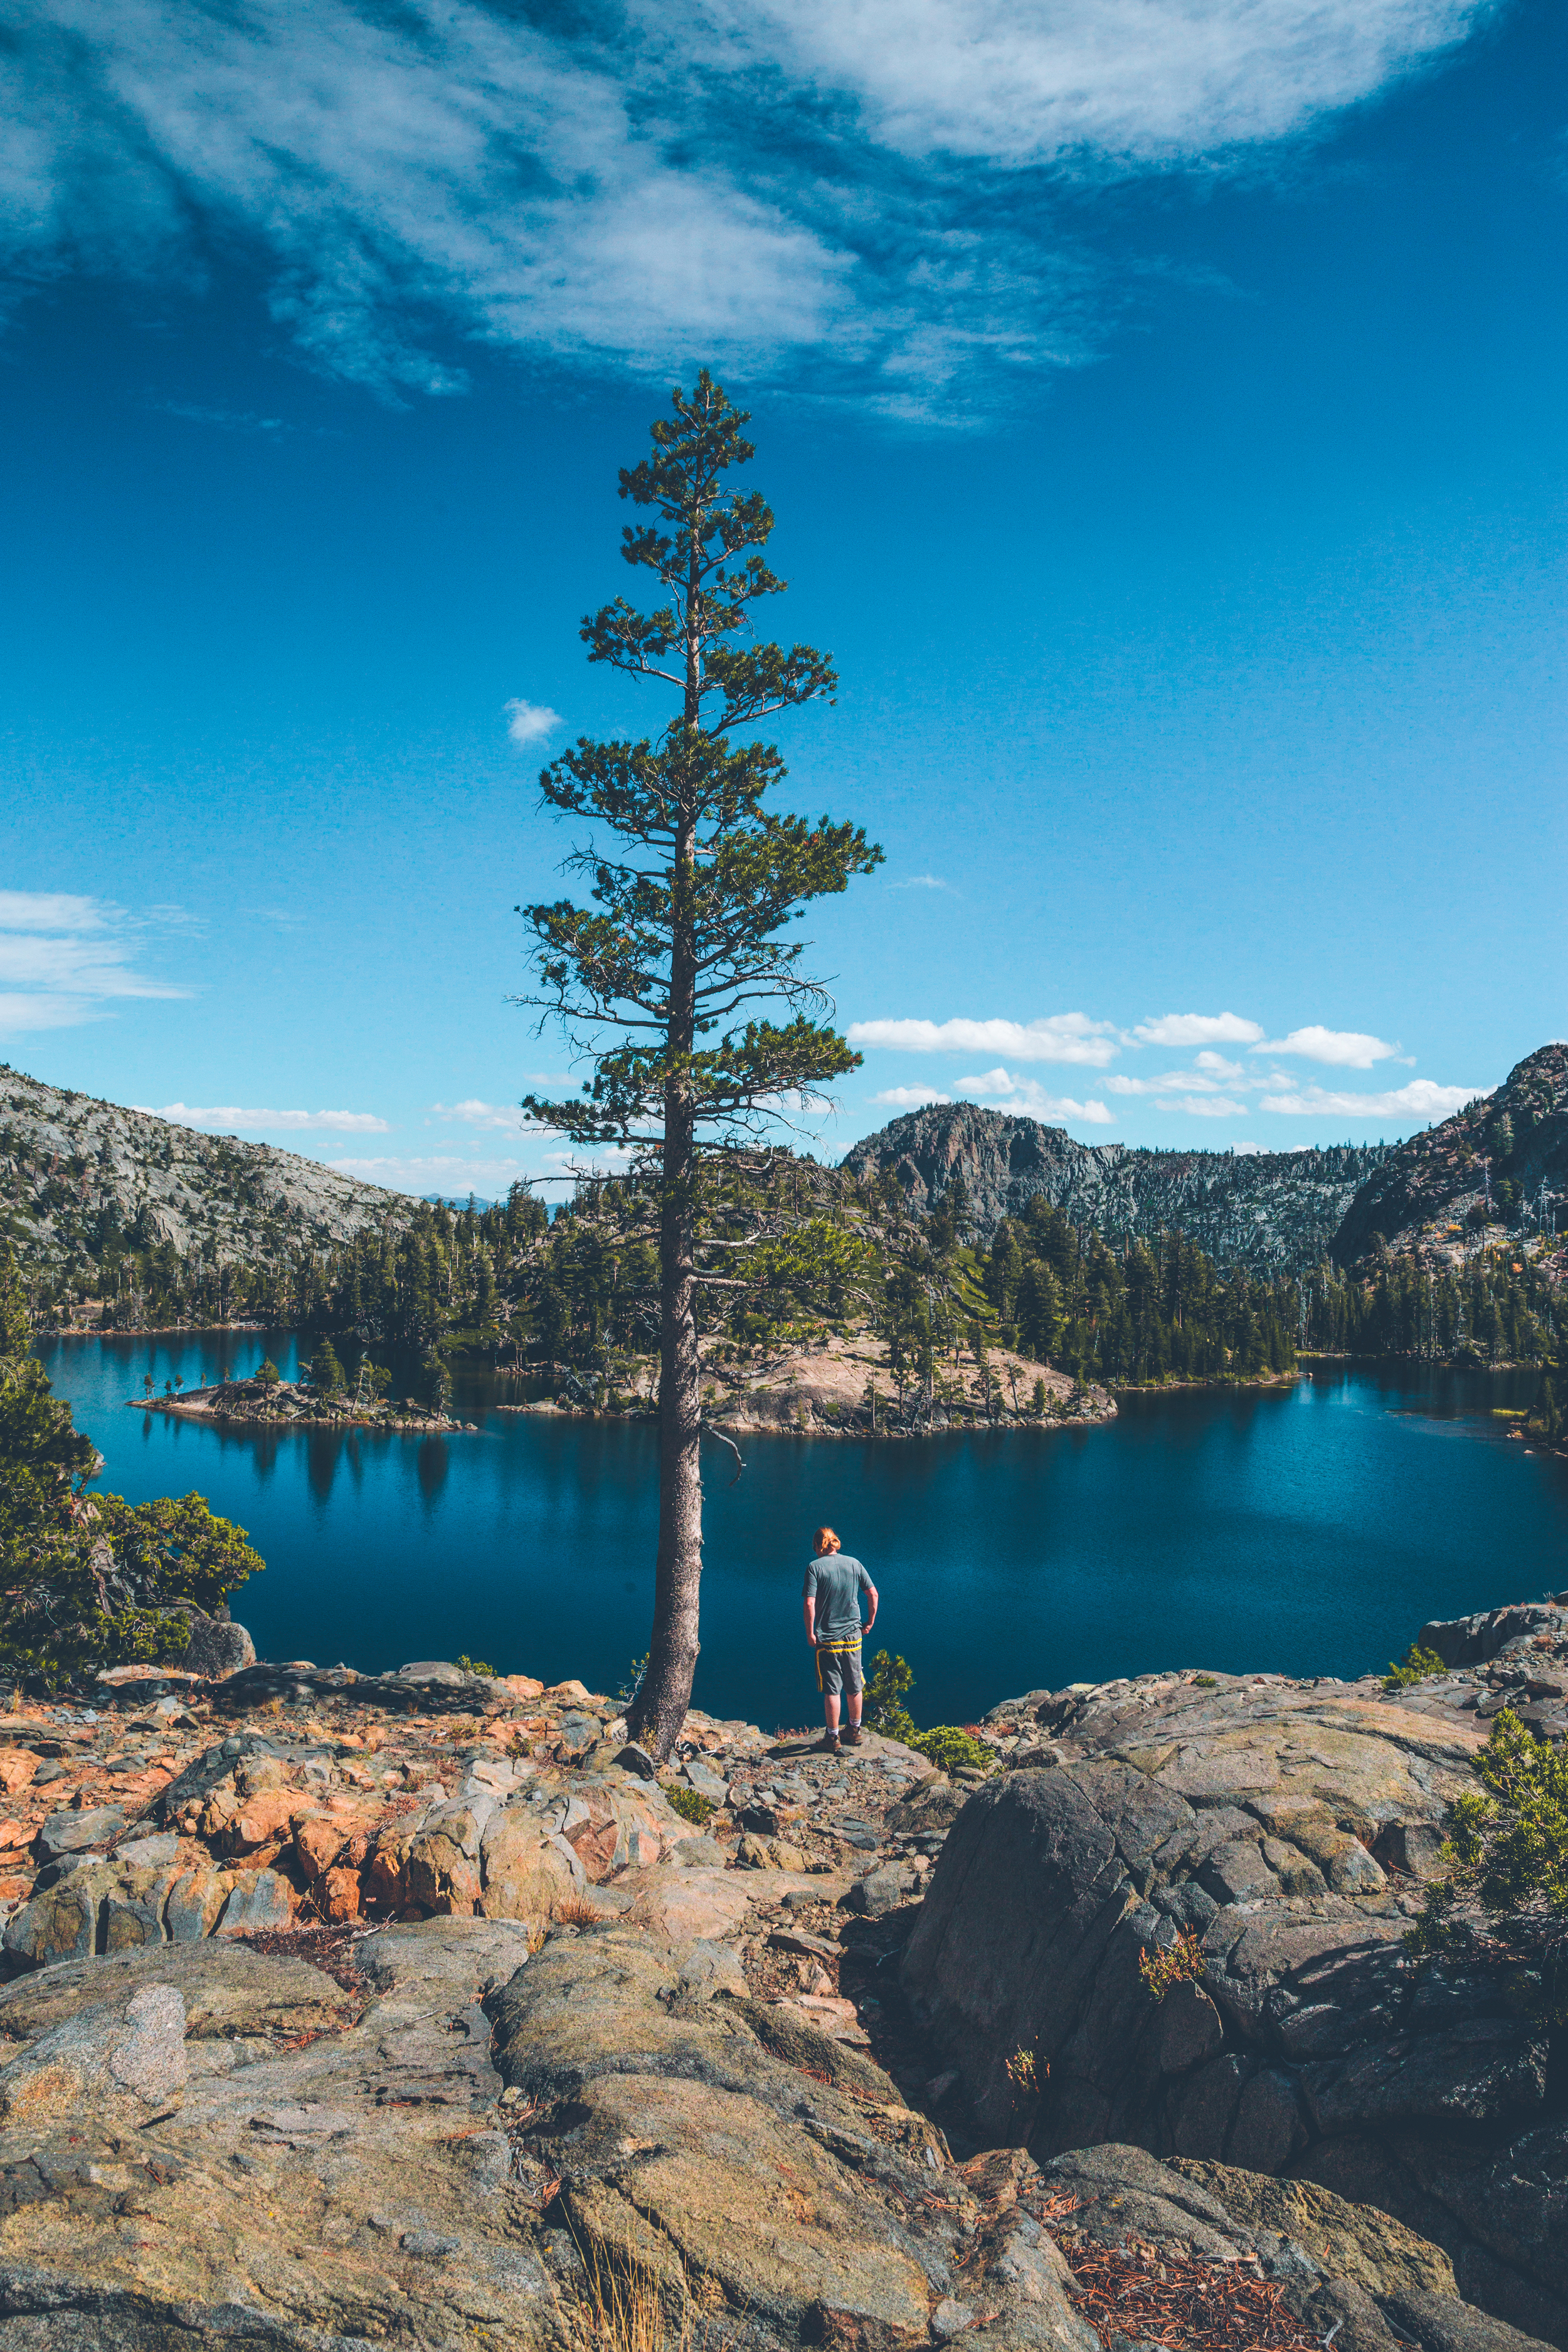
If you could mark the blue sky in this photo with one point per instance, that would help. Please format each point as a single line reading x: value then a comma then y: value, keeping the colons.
x: 1162, y: 404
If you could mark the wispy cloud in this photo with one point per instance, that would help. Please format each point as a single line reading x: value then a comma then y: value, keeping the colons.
x: 230, y: 420
x: 886, y: 189
x: 921, y: 882
x: 529, y: 722
x: 226, y: 1118
x: 505, y: 1116
x: 66, y: 959
x: 1058, y: 1038
x: 1210, y: 1073
x: 1421, y: 1099
x: 1183, y: 1029
x: 553, y: 1171
x: 1203, y: 1106
x: 1345, y: 1049
x: 1026, y: 1094
x: 910, y: 1097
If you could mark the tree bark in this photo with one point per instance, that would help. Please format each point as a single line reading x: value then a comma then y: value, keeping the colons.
x: 659, y: 1708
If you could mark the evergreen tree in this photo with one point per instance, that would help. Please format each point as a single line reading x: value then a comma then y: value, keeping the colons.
x: 663, y: 979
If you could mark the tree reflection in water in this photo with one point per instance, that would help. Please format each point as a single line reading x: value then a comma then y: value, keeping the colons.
x: 434, y: 1459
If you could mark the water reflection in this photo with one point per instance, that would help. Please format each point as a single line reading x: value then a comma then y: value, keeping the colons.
x: 322, y: 1447
x: 434, y: 1462
x: 1312, y: 1530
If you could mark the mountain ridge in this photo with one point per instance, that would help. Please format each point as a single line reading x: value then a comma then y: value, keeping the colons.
x: 78, y: 1174
x: 1269, y: 1211
x: 1481, y: 1168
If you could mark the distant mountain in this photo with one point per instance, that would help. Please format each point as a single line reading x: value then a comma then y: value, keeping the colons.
x: 1272, y: 1213
x: 78, y: 1174
x: 1510, y: 1143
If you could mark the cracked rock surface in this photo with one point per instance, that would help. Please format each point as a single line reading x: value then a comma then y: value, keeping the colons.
x: 1283, y: 1829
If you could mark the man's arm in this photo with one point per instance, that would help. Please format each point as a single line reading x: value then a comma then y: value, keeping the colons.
x: 872, y: 1619
x: 810, y: 1619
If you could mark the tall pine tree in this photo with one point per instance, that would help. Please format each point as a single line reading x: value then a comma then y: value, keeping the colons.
x: 664, y: 980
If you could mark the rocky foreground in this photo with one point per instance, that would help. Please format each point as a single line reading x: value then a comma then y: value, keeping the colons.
x: 420, y: 2009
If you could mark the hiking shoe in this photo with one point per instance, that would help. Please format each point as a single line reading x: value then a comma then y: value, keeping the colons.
x: 850, y: 1736
x: 827, y: 1745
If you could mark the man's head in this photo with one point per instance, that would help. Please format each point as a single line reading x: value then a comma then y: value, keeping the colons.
x: 826, y: 1542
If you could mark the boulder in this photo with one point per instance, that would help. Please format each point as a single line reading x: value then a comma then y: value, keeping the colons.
x: 78, y: 1830
x: 116, y: 2057
x: 217, y: 1648
x: 1308, y: 2042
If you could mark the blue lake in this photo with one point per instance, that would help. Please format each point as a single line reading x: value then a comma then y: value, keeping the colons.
x: 1310, y: 1531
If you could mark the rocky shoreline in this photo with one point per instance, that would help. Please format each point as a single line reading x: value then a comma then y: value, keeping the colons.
x: 283, y: 1404
x: 421, y: 2007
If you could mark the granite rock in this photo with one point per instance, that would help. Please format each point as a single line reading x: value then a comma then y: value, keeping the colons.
x: 1274, y: 1824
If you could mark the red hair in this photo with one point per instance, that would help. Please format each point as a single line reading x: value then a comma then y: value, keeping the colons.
x: 826, y: 1540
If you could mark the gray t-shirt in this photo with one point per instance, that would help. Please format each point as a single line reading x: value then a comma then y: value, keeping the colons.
x: 836, y: 1582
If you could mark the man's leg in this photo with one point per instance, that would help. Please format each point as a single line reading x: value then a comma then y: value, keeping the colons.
x: 828, y: 1681
x: 854, y: 1697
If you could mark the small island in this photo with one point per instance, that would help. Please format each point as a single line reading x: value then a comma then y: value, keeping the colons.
x: 266, y: 1400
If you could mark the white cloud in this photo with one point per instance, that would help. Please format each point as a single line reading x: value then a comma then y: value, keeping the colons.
x: 50, y: 910
x: 910, y: 1097
x: 1181, y: 1029
x: 1210, y: 1073
x: 1345, y: 1049
x: 1028, y: 1096
x: 1060, y: 1037
x: 506, y: 1116
x: 66, y: 959
x: 1203, y: 1106
x: 457, y: 1173
x: 921, y: 882
x: 1421, y: 1099
x: 228, y: 1118
x: 530, y: 722
x: 1247, y: 1150
x: 636, y: 185
x: 1018, y: 82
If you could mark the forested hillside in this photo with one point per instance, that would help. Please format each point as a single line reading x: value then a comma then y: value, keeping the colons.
x: 103, y: 1203
x: 164, y: 1227
x: 1272, y: 1213
x: 1499, y: 1165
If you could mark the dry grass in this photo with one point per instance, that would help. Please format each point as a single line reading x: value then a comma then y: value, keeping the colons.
x: 576, y: 1911
x: 628, y: 2311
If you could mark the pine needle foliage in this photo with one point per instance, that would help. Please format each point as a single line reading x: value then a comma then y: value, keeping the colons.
x: 677, y: 980
x: 1507, y: 1858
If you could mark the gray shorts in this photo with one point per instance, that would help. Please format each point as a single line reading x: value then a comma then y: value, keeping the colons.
x: 840, y: 1670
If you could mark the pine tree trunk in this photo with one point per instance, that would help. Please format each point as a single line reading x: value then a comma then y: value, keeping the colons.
x: 659, y: 1708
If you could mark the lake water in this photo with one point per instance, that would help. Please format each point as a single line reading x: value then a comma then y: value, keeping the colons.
x: 1310, y: 1531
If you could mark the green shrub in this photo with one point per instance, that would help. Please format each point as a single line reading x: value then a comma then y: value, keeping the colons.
x: 691, y: 1805
x: 474, y: 1665
x: 1419, y: 1665
x: 1206, y: 1682
x: 1506, y: 1856
x: 952, y: 1749
x: 884, y: 1708
x: 1167, y: 1965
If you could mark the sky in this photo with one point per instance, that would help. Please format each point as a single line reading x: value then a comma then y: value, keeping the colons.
x: 1162, y: 404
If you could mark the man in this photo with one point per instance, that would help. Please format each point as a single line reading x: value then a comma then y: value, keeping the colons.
x: 834, y: 1584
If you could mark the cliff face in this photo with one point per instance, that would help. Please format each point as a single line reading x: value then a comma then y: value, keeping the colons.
x: 1434, y: 1182
x: 1271, y: 1212
x: 77, y: 1173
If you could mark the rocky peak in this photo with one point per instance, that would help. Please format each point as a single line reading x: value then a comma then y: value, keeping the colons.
x: 1506, y: 1145
x: 1271, y: 1212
